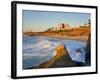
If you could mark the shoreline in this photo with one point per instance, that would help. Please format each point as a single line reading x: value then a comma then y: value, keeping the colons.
x: 76, y: 38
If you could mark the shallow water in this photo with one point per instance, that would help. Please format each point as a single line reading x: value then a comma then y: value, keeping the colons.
x: 38, y: 49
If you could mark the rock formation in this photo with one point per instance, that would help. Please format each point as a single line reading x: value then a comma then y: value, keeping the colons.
x: 61, y: 59
x: 88, y: 51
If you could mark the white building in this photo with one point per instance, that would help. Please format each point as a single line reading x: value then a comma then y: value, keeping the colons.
x: 63, y: 26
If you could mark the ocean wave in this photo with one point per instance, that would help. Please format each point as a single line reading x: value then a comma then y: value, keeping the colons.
x: 40, y: 43
x: 43, y: 48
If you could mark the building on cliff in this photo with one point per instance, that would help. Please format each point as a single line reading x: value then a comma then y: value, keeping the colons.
x: 63, y: 26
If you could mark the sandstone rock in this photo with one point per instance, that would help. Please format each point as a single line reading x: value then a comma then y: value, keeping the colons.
x: 61, y: 59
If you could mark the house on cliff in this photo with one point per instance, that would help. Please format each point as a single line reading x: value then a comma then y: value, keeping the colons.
x: 63, y: 26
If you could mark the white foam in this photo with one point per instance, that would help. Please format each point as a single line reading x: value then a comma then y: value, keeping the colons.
x: 44, y: 47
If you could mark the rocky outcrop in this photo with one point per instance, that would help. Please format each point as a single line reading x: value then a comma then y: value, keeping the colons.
x: 61, y: 59
x: 88, y: 51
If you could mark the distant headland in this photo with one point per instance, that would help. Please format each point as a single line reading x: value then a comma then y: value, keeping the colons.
x: 65, y: 31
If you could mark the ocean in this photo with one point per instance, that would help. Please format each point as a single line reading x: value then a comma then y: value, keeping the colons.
x: 38, y: 49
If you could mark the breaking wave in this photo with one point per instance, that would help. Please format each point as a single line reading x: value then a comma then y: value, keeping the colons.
x: 40, y: 49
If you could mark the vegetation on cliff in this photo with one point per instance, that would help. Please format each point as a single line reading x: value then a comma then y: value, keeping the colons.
x: 64, y: 29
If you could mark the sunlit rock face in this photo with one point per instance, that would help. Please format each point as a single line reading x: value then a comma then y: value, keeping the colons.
x: 61, y: 59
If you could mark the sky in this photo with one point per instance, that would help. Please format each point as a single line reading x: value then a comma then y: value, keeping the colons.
x: 38, y: 21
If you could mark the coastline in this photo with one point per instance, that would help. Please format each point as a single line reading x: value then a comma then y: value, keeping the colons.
x: 64, y: 37
x: 76, y: 38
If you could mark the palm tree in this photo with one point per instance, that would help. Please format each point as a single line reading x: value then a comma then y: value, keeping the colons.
x: 85, y: 24
x: 89, y: 22
x: 55, y: 28
x: 52, y: 28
